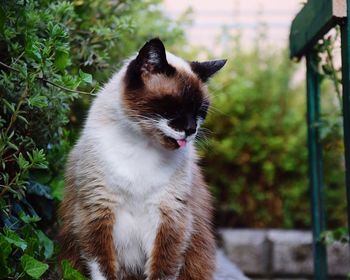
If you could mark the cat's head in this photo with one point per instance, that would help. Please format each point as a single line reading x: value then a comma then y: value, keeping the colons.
x: 167, y: 96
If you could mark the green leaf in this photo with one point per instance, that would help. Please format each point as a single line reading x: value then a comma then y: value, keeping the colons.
x: 33, y: 267
x: 33, y: 50
x: 85, y: 77
x: 4, y: 254
x: 9, y: 105
x: 29, y: 219
x: 57, y: 187
x: 13, y: 146
x: 22, y: 162
x: 38, y: 159
x: 56, y: 30
x: 38, y: 101
x: 5, y: 247
x: 23, y: 119
x: 62, y: 60
x: 13, y: 238
x: 46, y: 242
x: 327, y: 69
x: 69, y: 273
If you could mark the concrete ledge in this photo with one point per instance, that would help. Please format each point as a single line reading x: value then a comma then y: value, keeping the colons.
x: 226, y: 270
x: 291, y: 252
x: 272, y: 253
x: 246, y: 248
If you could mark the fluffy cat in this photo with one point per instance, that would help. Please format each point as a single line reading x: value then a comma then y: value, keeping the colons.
x: 135, y: 203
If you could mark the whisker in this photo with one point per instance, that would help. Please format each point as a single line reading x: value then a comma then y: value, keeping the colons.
x: 214, y: 109
x: 202, y: 143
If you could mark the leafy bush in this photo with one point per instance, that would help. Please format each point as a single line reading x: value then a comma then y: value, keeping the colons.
x: 256, y: 156
x: 52, y: 53
x: 33, y: 42
x: 331, y: 130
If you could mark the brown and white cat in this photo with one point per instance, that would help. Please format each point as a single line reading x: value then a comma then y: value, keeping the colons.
x: 135, y: 203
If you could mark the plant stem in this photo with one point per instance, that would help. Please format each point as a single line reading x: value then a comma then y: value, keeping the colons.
x: 8, y: 187
x: 50, y: 82
x: 334, y: 76
x: 18, y: 57
x: 15, y: 113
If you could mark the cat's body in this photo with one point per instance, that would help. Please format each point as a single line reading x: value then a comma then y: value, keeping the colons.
x: 135, y: 204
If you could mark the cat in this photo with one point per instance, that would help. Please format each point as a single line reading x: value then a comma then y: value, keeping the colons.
x: 135, y: 204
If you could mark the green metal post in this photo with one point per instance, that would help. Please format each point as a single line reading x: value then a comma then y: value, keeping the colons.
x: 315, y: 168
x: 345, y: 47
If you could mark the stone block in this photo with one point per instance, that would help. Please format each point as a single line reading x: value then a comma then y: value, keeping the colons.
x: 277, y: 253
x: 291, y: 252
x: 338, y: 259
x: 247, y: 248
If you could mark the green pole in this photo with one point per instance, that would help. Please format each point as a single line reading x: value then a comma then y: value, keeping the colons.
x: 315, y: 168
x: 345, y: 48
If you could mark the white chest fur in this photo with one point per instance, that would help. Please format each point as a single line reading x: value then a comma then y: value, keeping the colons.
x: 135, y: 231
x: 134, y: 165
x: 142, y: 177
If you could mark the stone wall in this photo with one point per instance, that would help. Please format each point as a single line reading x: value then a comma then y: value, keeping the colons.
x: 280, y: 253
x: 226, y: 270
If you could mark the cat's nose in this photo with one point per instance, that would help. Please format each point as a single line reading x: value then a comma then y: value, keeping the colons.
x: 190, y: 131
x: 191, y: 126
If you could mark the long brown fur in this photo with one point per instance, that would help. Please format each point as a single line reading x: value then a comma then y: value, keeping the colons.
x: 172, y: 246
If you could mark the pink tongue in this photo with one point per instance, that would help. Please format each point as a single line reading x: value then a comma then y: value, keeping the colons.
x: 181, y: 142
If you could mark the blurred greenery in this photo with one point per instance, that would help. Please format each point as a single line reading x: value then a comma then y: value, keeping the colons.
x: 255, y: 155
x: 331, y: 130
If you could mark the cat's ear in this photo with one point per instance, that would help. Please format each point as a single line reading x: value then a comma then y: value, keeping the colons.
x: 206, y: 69
x: 152, y: 58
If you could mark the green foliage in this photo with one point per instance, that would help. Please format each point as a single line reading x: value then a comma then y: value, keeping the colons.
x: 256, y: 156
x: 69, y: 273
x: 33, y: 113
x: 32, y: 267
x: 340, y: 234
x: 53, y: 53
x: 23, y: 248
x: 332, y: 137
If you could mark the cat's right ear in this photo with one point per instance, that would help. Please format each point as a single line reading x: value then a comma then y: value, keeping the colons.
x: 206, y: 69
x: 152, y: 58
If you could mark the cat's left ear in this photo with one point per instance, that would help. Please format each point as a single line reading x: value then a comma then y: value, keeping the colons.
x: 152, y: 58
x: 206, y: 69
